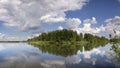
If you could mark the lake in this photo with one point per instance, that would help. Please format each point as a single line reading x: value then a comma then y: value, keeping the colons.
x: 24, y: 55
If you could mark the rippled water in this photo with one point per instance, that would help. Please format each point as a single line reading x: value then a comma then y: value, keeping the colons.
x: 23, y: 55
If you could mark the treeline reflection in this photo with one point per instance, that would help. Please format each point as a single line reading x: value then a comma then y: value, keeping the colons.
x: 65, y: 49
x: 116, y: 51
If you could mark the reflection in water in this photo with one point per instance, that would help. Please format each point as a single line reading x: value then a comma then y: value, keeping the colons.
x: 22, y: 55
x: 65, y: 49
x: 16, y: 55
x: 116, y: 54
x: 60, y: 50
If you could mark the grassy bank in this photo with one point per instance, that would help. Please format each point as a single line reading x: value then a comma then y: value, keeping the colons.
x: 62, y: 42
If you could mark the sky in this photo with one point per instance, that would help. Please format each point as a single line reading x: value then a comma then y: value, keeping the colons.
x: 23, y: 19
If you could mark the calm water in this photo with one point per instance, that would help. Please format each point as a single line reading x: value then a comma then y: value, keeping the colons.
x: 23, y: 55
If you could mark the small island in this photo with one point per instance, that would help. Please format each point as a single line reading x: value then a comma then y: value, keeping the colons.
x: 68, y: 42
x: 67, y: 37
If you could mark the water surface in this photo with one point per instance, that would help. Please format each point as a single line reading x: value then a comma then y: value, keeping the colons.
x: 23, y: 55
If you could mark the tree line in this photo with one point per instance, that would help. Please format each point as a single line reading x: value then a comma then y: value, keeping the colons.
x: 68, y: 35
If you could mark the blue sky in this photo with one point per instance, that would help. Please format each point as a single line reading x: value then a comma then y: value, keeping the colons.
x: 22, y: 19
x: 101, y: 9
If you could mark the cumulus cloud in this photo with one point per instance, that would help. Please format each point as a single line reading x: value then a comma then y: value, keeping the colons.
x: 92, y: 21
x: 113, y: 24
x: 60, y: 28
x: 72, y: 23
x: 114, y: 21
x: 87, y: 27
x: 29, y: 14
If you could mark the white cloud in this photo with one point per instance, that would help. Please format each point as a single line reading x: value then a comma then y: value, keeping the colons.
x: 29, y: 14
x: 2, y: 35
x: 87, y: 26
x: 88, y: 29
x: 52, y: 19
x: 117, y: 32
x: 53, y: 63
x: 88, y: 55
x: 92, y: 21
x: 114, y: 21
x: 75, y: 59
x: 26, y: 58
x: 72, y: 23
x: 118, y: 0
x: 113, y: 24
x: 33, y: 35
x: 60, y: 28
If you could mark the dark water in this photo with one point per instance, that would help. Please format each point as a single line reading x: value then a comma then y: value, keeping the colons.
x: 23, y: 55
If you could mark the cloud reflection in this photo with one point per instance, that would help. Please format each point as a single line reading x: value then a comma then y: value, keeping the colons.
x: 22, y: 55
